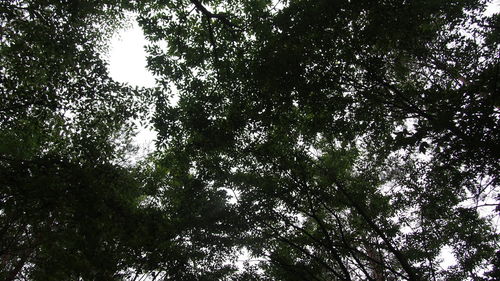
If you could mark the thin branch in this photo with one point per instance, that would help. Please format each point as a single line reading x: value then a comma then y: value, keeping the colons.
x: 221, y: 17
x: 304, y: 251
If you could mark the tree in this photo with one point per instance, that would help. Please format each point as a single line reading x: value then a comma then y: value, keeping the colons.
x: 332, y: 141
x: 55, y: 82
x: 64, y: 126
x: 72, y: 207
x: 354, y: 135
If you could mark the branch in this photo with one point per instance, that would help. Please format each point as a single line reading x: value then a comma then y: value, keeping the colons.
x: 331, y: 247
x: 354, y: 250
x: 293, y: 268
x: 221, y: 17
x: 412, y: 274
x: 302, y: 250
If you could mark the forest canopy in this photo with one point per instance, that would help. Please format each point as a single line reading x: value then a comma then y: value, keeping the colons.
x: 309, y: 140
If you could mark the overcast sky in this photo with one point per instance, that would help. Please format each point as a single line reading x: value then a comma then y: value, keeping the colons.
x: 127, y: 64
x: 127, y: 57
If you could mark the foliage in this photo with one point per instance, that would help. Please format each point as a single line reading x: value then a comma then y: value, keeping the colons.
x: 354, y: 140
x: 54, y: 83
x: 354, y: 135
x: 64, y: 124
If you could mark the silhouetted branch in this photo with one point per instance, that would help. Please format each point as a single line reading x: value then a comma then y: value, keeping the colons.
x: 221, y: 17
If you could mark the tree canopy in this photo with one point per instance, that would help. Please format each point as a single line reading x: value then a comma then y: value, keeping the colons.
x: 311, y: 140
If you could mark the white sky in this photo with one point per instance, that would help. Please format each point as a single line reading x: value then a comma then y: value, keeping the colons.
x: 493, y: 7
x: 127, y: 57
x: 127, y: 64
